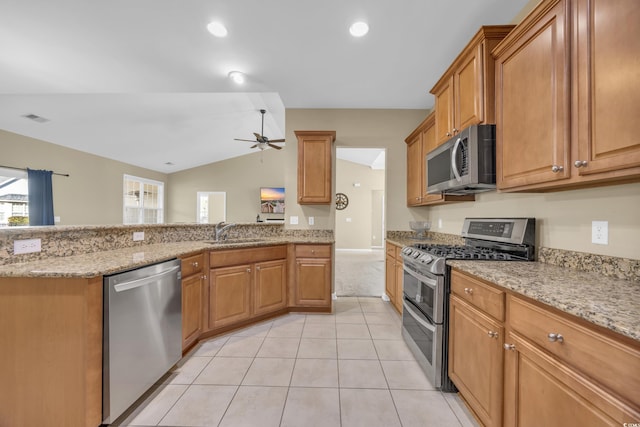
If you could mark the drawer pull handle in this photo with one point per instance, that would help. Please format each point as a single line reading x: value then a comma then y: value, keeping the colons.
x: 492, y: 334
x: 555, y: 337
x: 509, y: 346
x: 556, y: 168
x: 195, y: 264
x: 468, y: 291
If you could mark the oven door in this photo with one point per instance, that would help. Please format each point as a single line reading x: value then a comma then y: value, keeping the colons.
x: 424, y: 338
x: 425, y: 290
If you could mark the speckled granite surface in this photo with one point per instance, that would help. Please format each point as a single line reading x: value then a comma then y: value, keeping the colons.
x: 112, y: 261
x: 605, y: 301
x: 622, y: 268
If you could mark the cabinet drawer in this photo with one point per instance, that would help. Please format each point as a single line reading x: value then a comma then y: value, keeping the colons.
x: 485, y: 297
x: 192, y: 265
x: 246, y: 256
x: 313, y: 251
x: 599, y: 356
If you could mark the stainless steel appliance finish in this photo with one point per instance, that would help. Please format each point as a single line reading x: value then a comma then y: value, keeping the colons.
x: 142, y: 333
x: 426, y: 284
x: 465, y: 164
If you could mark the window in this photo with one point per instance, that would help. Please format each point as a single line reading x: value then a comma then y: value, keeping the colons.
x: 143, y: 201
x: 14, y: 197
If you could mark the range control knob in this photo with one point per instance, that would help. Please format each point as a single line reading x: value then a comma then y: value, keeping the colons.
x: 426, y: 259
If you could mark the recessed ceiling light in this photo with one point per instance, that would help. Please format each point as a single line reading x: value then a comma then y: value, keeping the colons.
x: 237, y: 77
x: 217, y: 29
x: 359, y: 29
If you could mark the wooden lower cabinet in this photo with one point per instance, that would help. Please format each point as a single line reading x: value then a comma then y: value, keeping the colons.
x: 270, y: 287
x: 542, y: 391
x: 394, y: 275
x: 479, y: 378
x: 193, y: 280
x: 312, y: 280
x: 229, y: 295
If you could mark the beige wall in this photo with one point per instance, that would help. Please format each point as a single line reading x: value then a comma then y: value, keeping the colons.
x: 356, y: 128
x: 92, y: 194
x: 240, y: 177
x: 357, y: 233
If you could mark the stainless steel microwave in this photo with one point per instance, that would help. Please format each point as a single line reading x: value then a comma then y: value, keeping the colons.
x: 465, y: 163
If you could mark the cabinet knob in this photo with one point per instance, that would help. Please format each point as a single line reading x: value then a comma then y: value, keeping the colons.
x: 258, y: 267
x: 468, y: 291
x: 556, y: 168
x: 580, y: 163
x: 455, y: 131
x: 492, y: 334
x: 509, y: 346
x: 195, y: 264
x: 448, y: 133
x: 555, y: 337
x: 248, y: 270
x: 204, y: 277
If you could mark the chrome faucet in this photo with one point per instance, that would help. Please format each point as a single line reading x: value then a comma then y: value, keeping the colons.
x: 221, y: 230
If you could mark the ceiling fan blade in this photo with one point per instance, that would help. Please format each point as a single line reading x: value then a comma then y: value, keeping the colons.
x: 259, y: 137
x: 253, y: 146
x: 276, y: 140
x: 245, y: 140
x: 274, y: 146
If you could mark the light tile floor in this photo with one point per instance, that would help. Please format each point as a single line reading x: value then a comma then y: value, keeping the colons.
x: 347, y: 369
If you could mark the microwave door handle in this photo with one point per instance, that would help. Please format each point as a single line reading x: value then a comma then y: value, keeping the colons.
x: 454, y: 166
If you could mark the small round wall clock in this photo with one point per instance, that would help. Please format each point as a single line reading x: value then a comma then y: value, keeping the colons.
x: 342, y: 201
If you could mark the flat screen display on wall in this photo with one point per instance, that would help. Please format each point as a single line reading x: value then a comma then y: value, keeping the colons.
x: 272, y: 200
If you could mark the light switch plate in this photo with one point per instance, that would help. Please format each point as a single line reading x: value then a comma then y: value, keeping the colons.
x: 600, y: 232
x: 311, y: 220
x: 293, y: 220
x: 27, y: 246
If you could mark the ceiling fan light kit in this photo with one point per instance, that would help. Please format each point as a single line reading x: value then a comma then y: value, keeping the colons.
x: 261, y: 141
x: 237, y: 77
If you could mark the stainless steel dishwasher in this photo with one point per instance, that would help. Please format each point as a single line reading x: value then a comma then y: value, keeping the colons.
x: 142, y: 333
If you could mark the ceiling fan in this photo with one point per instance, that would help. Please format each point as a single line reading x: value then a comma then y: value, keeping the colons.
x: 261, y: 141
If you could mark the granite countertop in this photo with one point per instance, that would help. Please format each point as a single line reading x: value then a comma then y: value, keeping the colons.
x: 605, y: 301
x: 113, y: 261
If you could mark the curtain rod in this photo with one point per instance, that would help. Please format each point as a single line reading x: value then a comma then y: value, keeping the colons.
x: 24, y: 169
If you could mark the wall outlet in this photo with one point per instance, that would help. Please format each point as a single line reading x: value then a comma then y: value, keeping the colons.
x: 138, y: 236
x: 600, y: 232
x: 312, y: 220
x: 27, y: 246
x: 293, y: 220
x: 348, y: 219
x: 56, y: 219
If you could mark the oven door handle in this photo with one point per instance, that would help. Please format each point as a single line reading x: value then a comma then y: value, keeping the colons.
x: 417, y: 318
x: 432, y: 283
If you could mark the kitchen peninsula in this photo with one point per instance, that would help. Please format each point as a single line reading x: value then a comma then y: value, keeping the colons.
x: 51, y: 302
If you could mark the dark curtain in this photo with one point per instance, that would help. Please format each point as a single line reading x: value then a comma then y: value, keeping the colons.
x: 40, y: 197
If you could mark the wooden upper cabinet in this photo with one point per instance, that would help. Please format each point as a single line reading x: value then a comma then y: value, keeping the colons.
x: 532, y: 132
x: 314, y: 166
x: 566, y: 96
x: 419, y: 143
x: 607, y: 94
x: 464, y: 93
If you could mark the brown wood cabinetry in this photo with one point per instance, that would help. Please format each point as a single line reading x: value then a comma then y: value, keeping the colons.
x: 312, y: 286
x: 51, y: 357
x: 314, y: 166
x: 421, y: 141
x: 393, y: 275
x: 193, y: 280
x: 474, y: 331
x: 464, y: 94
x: 244, y: 283
x: 565, y: 96
x: 553, y: 369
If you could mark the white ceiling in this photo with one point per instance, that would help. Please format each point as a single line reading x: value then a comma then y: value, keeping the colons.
x: 140, y: 80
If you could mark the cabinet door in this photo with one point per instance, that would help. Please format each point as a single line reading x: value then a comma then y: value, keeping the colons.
x: 270, y: 287
x: 229, y: 295
x: 314, y: 167
x: 313, y: 284
x: 428, y: 143
x: 540, y: 391
x: 191, y: 309
x: 397, y: 303
x: 607, y: 96
x: 532, y: 103
x: 444, y: 111
x: 390, y: 278
x: 476, y: 360
x: 469, y: 91
x: 415, y: 171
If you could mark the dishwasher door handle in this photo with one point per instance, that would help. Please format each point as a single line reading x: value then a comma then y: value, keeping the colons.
x: 143, y: 281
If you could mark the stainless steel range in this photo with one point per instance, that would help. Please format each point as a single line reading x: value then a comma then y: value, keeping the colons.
x: 426, y: 284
